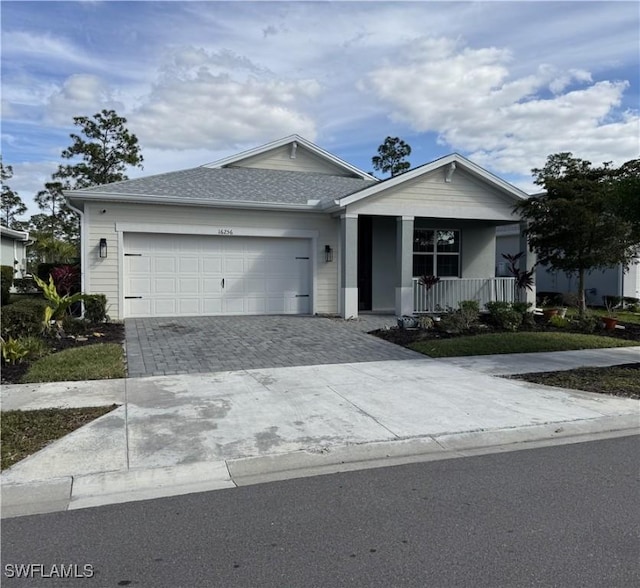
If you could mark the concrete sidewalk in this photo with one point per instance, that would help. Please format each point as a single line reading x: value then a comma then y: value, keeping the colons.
x: 196, y: 432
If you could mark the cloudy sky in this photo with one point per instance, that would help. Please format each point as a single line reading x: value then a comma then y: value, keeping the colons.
x: 503, y: 83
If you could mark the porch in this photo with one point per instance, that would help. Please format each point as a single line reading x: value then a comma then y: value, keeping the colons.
x: 449, y: 292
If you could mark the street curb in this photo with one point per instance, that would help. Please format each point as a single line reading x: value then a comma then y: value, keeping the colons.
x: 84, y: 491
x: 255, y: 470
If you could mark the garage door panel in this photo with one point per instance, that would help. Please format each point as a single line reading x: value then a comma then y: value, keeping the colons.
x: 212, y: 306
x: 212, y: 265
x: 189, y: 286
x: 183, y: 275
x: 188, y: 306
x: 164, y: 264
x: 189, y: 265
x: 165, y: 307
x: 135, y: 264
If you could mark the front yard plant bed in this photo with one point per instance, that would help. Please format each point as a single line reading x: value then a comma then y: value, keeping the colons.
x: 85, y: 336
x: 619, y: 380
x: 28, y: 431
x: 484, y: 338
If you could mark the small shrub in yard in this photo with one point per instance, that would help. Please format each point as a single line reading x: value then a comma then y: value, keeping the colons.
x: 6, y: 279
x: 23, y: 318
x: 559, y: 322
x: 35, y: 346
x: 503, y: 315
x: 23, y: 348
x: 587, y: 323
x: 425, y: 322
x: 462, y: 319
x: 13, y: 351
x: 95, y: 308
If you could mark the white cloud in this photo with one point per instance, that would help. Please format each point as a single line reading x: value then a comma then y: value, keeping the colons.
x: 469, y: 98
x: 80, y: 95
x: 217, y: 99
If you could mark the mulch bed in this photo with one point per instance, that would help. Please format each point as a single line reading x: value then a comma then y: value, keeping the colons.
x: 90, y: 335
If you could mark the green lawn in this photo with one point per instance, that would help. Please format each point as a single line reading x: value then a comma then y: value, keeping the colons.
x: 519, y: 342
x: 91, y: 362
x: 25, y: 432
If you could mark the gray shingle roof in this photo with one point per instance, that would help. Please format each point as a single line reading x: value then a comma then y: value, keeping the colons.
x: 235, y: 184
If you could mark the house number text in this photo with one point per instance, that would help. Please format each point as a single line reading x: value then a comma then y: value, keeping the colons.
x: 225, y: 231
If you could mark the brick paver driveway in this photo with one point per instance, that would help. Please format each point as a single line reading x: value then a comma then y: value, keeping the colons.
x: 163, y: 346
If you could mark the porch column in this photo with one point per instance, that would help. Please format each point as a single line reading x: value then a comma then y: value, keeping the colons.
x: 404, y: 265
x: 349, y: 265
x: 527, y: 261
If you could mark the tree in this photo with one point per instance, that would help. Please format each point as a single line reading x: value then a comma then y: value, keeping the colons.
x: 58, y: 221
x: 12, y: 205
x: 579, y: 223
x: 106, y: 149
x: 391, y: 156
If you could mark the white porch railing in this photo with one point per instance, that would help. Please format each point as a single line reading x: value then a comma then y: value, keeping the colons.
x: 448, y: 292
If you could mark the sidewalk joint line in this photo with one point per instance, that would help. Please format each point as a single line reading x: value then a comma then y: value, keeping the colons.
x: 364, y: 412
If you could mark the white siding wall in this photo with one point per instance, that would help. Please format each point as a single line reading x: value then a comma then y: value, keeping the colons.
x: 102, y: 275
x: 304, y: 161
x: 478, y: 252
x: 429, y: 195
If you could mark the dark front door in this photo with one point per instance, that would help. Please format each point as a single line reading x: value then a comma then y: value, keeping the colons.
x: 365, y: 242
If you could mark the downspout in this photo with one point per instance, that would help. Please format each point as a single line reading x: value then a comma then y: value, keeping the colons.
x: 83, y: 250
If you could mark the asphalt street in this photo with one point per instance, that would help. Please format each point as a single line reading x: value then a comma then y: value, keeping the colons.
x: 558, y: 516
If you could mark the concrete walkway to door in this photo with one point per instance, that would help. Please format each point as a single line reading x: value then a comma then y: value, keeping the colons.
x: 168, y: 346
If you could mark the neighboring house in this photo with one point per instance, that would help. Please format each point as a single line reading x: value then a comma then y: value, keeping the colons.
x: 288, y: 228
x: 14, y: 250
x: 598, y: 283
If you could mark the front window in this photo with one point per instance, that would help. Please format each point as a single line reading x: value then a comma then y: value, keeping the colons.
x: 436, y: 253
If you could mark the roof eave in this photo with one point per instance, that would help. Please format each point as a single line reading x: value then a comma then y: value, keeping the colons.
x: 138, y: 199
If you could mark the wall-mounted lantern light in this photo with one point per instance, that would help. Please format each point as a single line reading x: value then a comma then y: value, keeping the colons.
x: 103, y: 248
x: 328, y: 253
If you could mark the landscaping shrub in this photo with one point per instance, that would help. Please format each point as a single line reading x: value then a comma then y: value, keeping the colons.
x: 22, y: 318
x: 559, y: 322
x: 35, y: 346
x: 425, y: 322
x: 587, y: 323
x: 524, y: 310
x: 462, y: 319
x: 95, y: 308
x: 66, y: 278
x: 503, y: 316
x: 13, y: 351
x: 6, y: 280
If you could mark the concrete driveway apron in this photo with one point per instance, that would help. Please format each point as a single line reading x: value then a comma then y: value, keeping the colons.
x: 167, y: 346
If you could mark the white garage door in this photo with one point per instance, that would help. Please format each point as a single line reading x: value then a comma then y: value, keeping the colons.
x: 189, y: 275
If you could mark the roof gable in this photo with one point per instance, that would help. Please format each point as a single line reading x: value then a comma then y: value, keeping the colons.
x: 292, y: 153
x: 448, y: 164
